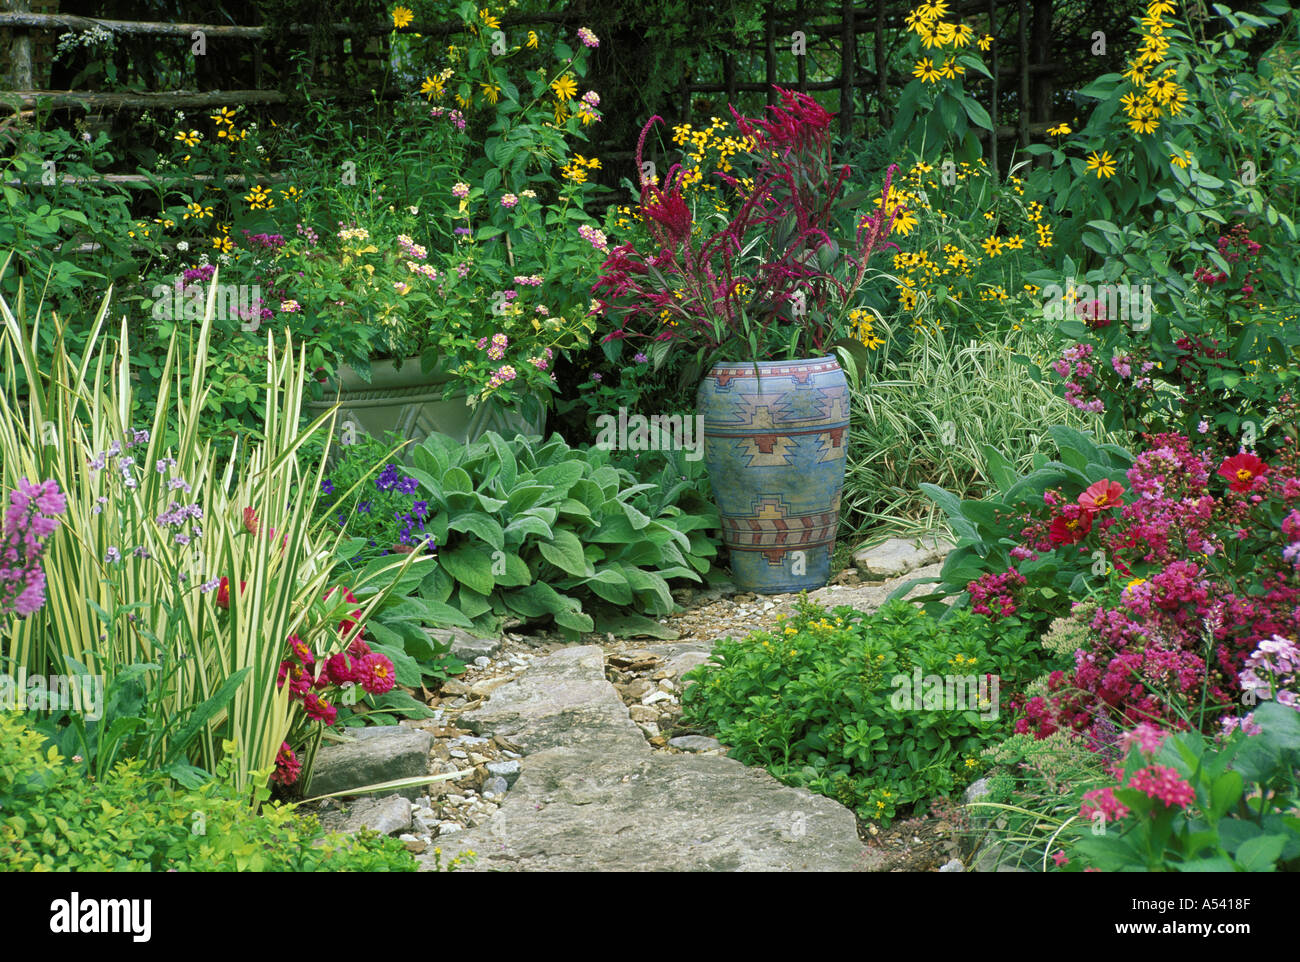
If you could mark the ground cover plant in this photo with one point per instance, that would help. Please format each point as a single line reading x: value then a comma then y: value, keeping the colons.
x: 863, y: 707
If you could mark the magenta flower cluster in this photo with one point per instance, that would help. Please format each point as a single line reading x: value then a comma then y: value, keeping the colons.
x: 29, y: 520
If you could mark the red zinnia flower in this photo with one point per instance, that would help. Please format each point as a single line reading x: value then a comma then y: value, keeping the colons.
x: 287, y: 766
x: 349, y: 627
x: 223, y: 592
x: 375, y: 673
x: 1070, y: 526
x: 299, y: 648
x: 319, y: 709
x: 1241, y: 470
x: 339, y: 668
x: 1101, y: 496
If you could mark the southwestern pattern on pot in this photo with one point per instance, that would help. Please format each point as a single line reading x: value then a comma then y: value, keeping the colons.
x: 774, y: 443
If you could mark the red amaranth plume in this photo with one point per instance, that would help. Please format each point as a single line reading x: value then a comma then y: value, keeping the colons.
x: 664, y: 207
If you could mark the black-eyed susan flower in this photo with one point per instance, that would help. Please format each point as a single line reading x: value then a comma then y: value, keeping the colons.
x: 1103, y: 164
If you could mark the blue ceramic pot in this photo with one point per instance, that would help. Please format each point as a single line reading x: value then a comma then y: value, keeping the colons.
x: 774, y: 443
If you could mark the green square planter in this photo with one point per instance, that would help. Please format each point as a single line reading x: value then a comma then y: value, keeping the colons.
x: 414, y: 405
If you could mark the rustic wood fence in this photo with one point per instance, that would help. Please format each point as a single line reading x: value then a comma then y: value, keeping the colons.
x: 847, y: 42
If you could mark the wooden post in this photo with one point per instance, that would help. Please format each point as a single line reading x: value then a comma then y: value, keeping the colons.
x: 802, y: 24
x: 848, y: 63
x: 20, y: 52
x: 882, y: 101
x: 993, y: 97
x: 1023, y: 42
x: 769, y: 51
x: 729, y: 77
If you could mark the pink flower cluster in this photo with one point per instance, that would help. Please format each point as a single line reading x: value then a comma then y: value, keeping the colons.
x: 502, y: 375
x: 1218, y: 579
x: 994, y: 594
x: 1159, y: 782
x: 594, y: 237
x: 410, y: 248
x: 588, y: 38
x: 497, y: 349
x: 29, y: 520
x: 454, y: 116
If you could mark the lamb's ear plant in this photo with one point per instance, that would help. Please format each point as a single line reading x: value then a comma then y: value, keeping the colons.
x: 187, y: 574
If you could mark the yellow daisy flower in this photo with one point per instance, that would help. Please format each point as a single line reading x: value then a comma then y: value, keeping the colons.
x: 402, y: 17
x: 1103, y: 163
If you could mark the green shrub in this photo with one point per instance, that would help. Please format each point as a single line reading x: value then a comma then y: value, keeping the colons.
x: 825, y: 702
x: 52, y: 818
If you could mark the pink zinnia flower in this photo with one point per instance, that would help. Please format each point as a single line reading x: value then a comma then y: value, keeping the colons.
x: 319, y: 709
x: 375, y: 673
x: 287, y: 766
x: 1101, y: 496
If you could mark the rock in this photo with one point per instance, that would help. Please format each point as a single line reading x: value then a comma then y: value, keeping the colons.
x: 641, y: 713
x: 484, y: 688
x: 482, y: 661
x: 449, y: 828
x: 509, y: 771
x: 695, y: 743
x: 379, y: 754
x: 457, y: 753
x: 387, y: 816
x: 561, y: 699
x: 651, y: 729
x: 638, y: 688
x: 495, y: 785
x: 872, y: 596
x: 638, y: 659
x: 655, y: 697
x: 598, y: 798
x: 952, y: 865
x: 415, y: 846
x: 976, y: 791
x: 453, y: 687
x: 666, y: 685
x: 897, y: 556
x: 464, y: 645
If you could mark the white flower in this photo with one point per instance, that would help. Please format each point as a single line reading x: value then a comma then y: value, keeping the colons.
x: 413, y: 210
x: 183, y: 245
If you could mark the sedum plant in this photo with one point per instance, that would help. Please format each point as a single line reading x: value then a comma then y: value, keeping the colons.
x: 157, y: 533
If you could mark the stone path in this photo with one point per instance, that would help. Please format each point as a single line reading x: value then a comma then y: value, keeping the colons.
x: 599, y: 780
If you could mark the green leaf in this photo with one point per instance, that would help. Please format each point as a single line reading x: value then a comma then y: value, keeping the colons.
x: 565, y: 551
x: 610, y: 584
x: 480, y: 525
x: 1260, y: 854
x: 470, y: 566
x: 518, y: 529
